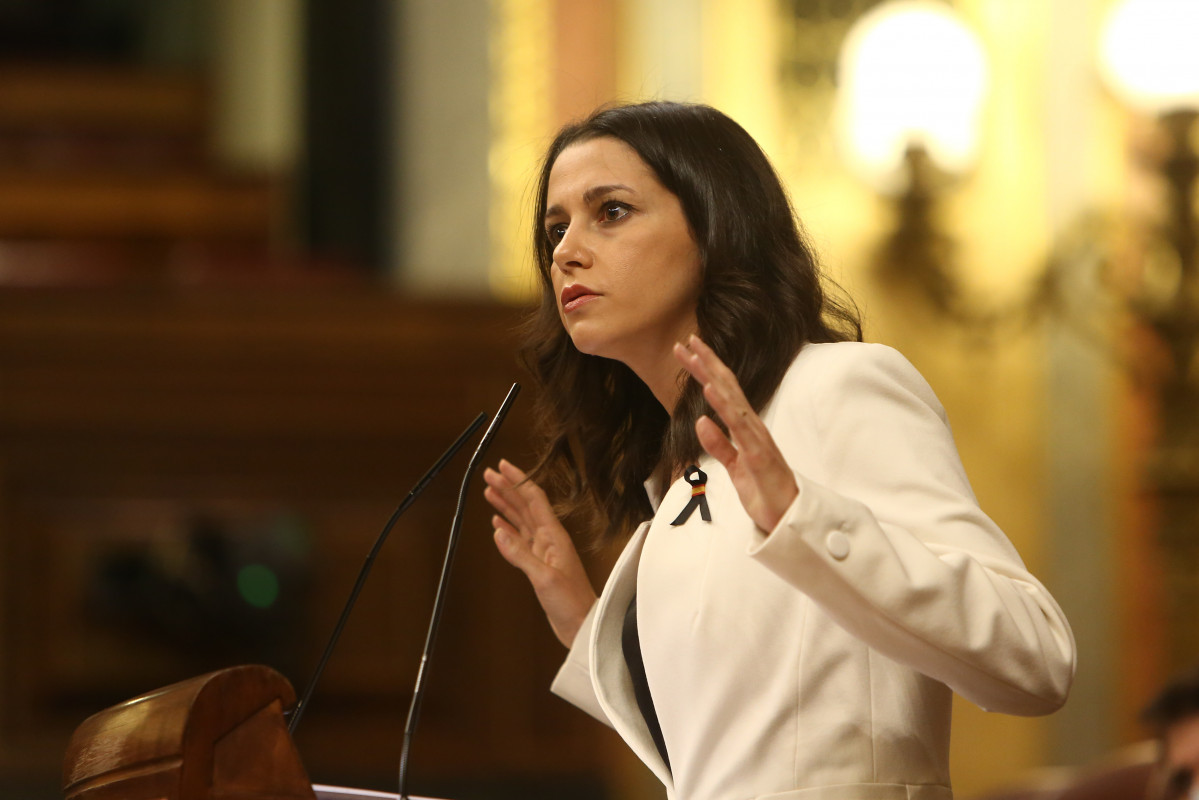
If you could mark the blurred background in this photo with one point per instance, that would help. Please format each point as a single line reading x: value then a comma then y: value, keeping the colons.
x: 261, y: 260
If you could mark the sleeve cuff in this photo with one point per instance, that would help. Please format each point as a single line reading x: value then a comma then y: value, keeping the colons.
x: 573, y: 681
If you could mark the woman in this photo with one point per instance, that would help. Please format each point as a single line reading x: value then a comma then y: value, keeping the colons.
x: 808, y: 575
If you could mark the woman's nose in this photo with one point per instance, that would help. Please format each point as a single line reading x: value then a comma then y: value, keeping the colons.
x: 572, y: 252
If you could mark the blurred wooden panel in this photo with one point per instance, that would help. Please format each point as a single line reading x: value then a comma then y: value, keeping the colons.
x: 159, y: 446
x: 96, y: 97
x: 35, y: 204
x: 117, y: 154
x: 64, y: 120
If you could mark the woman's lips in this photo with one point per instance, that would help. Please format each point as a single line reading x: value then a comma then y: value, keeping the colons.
x: 575, y: 296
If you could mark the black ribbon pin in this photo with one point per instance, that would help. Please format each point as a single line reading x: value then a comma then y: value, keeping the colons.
x: 699, y: 498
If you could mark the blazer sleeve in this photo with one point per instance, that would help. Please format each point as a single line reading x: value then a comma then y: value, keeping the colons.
x: 890, y: 542
x: 573, y: 681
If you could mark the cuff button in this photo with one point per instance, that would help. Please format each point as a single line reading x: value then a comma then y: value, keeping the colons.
x: 837, y: 545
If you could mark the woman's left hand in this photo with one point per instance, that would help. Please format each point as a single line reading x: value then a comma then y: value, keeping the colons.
x: 761, y: 476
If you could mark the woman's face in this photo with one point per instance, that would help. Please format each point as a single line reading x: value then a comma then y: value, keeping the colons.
x: 626, y: 270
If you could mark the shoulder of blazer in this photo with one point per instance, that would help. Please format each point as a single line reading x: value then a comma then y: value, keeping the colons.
x: 829, y: 370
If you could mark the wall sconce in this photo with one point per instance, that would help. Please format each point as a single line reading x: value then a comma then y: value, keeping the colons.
x: 912, y: 81
x: 1149, y: 61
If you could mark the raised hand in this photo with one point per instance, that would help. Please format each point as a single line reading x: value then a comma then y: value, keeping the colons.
x: 764, y: 482
x: 530, y: 538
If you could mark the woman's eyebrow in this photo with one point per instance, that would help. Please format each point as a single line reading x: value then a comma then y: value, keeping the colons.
x: 597, y: 191
x: 590, y: 196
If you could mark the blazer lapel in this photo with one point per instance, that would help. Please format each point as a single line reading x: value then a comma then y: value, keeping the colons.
x: 610, y: 673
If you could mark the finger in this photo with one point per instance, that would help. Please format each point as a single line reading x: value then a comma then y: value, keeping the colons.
x: 723, y: 393
x: 708, y: 362
x: 519, y: 480
x: 499, y: 485
x: 517, y: 554
x: 514, y: 512
x: 543, y: 550
x: 505, y: 501
x: 713, y: 440
x: 746, y: 431
x: 756, y: 451
x: 758, y: 461
x: 719, y: 383
x: 535, y: 503
x: 535, y: 510
x: 744, y: 424
x: 519, y: 547
x: 723, y: 388
x: 512, y: 472
x: 702, y: 372
x: 532, y: 495
x: 535, y: 546
x: 500, y: 523
x: 731, y: 410
x: 497, y: 479
x: 691, y: 362
x: 528, y: 490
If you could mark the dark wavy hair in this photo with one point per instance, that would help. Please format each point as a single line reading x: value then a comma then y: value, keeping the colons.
x: 761, y: 300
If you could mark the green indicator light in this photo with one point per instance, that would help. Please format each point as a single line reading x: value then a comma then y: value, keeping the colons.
x: 258, y: 585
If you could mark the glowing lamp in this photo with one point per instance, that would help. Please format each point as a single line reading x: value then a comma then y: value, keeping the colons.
x: 1148, y: 54
x: 911, y: 75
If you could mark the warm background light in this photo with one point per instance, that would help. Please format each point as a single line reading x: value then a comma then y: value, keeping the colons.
x: 910, y: 73
x: 1148, y: 54
x: 1053, y: 434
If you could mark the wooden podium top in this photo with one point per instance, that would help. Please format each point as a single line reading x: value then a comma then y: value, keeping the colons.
x: 324, y: 792
x: 219, y: 736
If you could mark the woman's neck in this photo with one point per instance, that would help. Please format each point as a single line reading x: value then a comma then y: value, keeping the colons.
x: 664, y: 378
x: 655, y: 364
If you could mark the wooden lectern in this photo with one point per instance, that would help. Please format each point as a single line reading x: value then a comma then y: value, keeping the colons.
x: 219, y: 736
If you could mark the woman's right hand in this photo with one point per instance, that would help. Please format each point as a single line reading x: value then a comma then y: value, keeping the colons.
x: 530, y: 537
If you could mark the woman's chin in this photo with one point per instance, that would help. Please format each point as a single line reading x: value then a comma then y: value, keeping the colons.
x: 591, y: 346
x: 587, y: 347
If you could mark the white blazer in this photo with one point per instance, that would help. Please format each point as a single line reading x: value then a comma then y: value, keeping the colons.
x: 816, y: 661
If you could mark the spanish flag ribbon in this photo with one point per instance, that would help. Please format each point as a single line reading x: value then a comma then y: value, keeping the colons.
x: 699, y: 498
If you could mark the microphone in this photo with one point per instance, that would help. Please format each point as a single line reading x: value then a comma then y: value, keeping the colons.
x: 298, y: 710
x: 439, y: 601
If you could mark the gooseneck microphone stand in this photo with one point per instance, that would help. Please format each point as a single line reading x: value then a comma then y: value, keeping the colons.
x: 439, y: 601
x: 370, y: 560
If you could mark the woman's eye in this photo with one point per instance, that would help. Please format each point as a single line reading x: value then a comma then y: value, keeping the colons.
x: 614, y: 211
x: 555, y: 233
